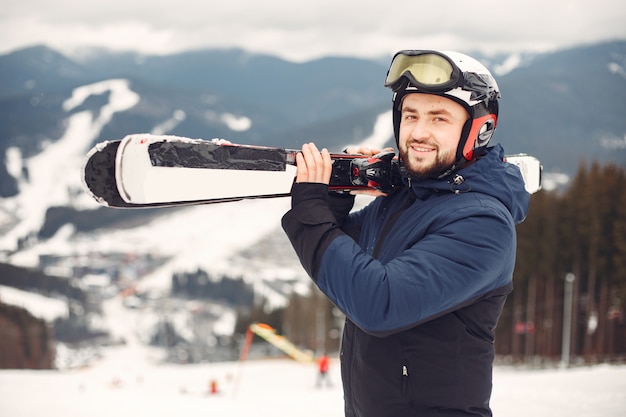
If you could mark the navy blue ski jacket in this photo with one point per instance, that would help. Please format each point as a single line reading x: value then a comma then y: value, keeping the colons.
x: 422, y: 275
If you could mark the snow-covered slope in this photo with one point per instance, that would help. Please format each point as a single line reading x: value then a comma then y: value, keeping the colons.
x: 201, y: 237
x: 278, y: 388
x: 53, y: 177
x: 42, y: 307
x: 130, y: 380
x: 121, y: 386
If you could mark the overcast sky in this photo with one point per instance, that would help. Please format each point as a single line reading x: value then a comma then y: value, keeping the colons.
x: 304, y: 30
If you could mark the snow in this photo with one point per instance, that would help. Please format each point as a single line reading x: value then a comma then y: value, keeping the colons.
x: 53, y: 174
x: 513, y: 61
x: 187, y: 237
x: 207, y: 237
x: 613, y: 142
x: 236, y: 123
x: 553, y: 180
x: 40, y: 306
x: 131, y: 380
x: 382, y: 132
x: 589, y: 391
x: 13, y: 159
x: 617, y: 68
x: 168, y: 125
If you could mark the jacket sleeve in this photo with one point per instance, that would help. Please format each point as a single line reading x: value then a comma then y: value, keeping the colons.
x: 314, y: 222
x: 465, y: 255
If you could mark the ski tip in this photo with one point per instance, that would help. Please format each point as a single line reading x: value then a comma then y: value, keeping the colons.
x: 98, y: 173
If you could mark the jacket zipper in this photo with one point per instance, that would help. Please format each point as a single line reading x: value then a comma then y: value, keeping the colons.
x: 406, y: 385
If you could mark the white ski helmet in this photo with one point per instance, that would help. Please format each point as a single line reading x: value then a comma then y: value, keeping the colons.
x: 455, y: 76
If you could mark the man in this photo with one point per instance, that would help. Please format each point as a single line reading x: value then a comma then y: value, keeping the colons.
x: 422, y: 273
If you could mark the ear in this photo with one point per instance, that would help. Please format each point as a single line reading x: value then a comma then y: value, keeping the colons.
x: 479, y: 135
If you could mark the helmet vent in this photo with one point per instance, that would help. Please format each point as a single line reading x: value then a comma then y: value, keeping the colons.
x: 485, y: 133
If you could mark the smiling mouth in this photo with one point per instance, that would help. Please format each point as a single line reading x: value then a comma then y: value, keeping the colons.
x: 420, y: 148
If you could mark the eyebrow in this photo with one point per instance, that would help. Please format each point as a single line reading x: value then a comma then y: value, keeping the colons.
x: 435, y: 112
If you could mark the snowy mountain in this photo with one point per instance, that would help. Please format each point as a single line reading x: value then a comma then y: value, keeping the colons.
x: 54, y: 108
x: 202, y: 236
x: 190, y: 239
x: 562, y: 106
x: 143, y: 253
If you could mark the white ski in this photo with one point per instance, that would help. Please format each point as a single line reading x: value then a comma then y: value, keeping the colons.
x: 139, y: 182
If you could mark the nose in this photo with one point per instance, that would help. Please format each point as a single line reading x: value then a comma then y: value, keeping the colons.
x: 420, y: 130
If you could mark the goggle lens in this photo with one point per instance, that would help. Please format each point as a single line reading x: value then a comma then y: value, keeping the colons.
x: 428, y: 69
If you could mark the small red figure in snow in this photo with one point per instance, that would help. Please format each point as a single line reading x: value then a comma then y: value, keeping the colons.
x: 323, y: 363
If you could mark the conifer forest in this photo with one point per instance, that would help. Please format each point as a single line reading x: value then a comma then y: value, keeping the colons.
x: 570, y: 276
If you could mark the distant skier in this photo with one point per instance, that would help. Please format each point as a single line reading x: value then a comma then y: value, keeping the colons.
x: 323, y: 365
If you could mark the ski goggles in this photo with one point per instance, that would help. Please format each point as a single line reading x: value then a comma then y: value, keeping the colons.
x: 428, y: 70
x: 434, y: 72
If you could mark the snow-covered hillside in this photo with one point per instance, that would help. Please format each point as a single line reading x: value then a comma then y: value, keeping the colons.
x: 42, y: 307
x: 53, y: 176
x: 130, y: 380
x: 196, y: 237
x: 241, y: 239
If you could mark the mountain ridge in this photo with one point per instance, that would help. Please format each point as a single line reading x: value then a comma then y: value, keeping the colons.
x: 557, y: 97
x: 558, y: 107
x: 573, y: 100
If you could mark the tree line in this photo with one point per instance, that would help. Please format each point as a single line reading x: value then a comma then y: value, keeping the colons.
x: 200, y: 284
x: 25, y: 341
x: 581, y: 233
x: 37, y: 281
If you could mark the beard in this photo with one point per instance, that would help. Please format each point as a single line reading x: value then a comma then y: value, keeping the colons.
x: 416, y: 167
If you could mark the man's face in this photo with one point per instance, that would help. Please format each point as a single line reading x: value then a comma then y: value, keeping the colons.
x: 430, y: 130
